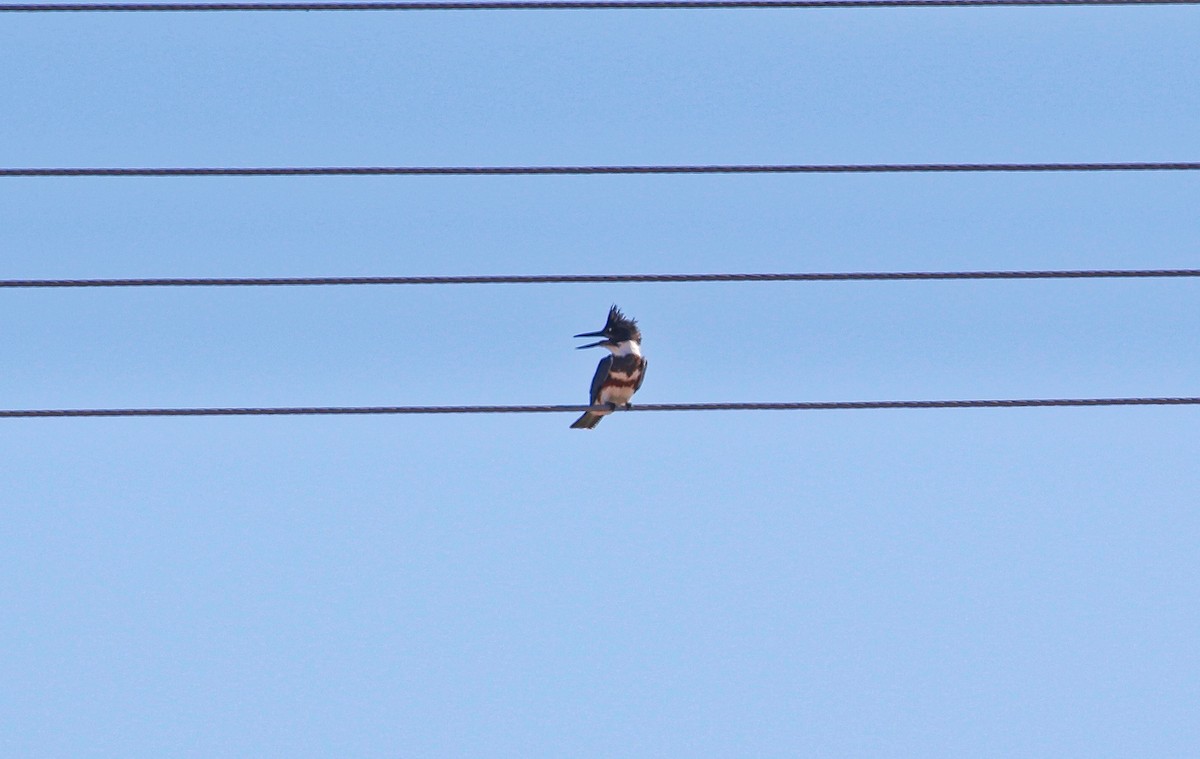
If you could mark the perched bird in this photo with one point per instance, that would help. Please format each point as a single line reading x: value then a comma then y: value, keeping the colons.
x: 619, y: 374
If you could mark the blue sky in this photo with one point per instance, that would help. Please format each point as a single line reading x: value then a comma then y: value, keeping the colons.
x: 858, y: 584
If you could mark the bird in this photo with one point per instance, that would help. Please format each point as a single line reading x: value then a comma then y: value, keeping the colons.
x: 620, y: 373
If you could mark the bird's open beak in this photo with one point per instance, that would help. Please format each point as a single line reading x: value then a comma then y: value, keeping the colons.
x: 597, y: 333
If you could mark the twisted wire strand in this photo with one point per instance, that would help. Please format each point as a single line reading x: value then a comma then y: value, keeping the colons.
x: 557, y: 5
x: 878, y: 168
x: 543, y: 279
x: 800, y: 406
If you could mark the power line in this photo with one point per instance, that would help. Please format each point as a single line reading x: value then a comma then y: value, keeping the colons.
x: 542, y: 279
x: 803, y: 406
x: 878, y: 168
x: 558, y: 5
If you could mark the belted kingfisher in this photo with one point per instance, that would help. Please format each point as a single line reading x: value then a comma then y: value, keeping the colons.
x: 620, y: 374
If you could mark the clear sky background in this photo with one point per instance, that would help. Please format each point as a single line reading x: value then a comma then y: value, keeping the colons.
x: 852, y: 584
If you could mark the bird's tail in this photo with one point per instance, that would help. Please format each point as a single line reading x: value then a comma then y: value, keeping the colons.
x: 586, y: 422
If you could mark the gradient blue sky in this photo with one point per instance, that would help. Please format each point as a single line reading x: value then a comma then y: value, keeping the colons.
x: 852, y: 584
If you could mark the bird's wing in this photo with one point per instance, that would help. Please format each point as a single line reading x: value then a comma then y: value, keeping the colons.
x: 642, y: 376
x: 598, y: 379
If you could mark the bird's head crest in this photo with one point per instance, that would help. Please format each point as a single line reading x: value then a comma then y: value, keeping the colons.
x: 620, y: 327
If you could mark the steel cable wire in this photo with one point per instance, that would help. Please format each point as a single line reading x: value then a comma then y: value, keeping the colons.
x: 878, y: 168
x: 574, y: 409
x: 601, y: 278
x: 557, y: 5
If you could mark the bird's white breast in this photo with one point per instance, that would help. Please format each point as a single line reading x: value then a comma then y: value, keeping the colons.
x: 619, y: 395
